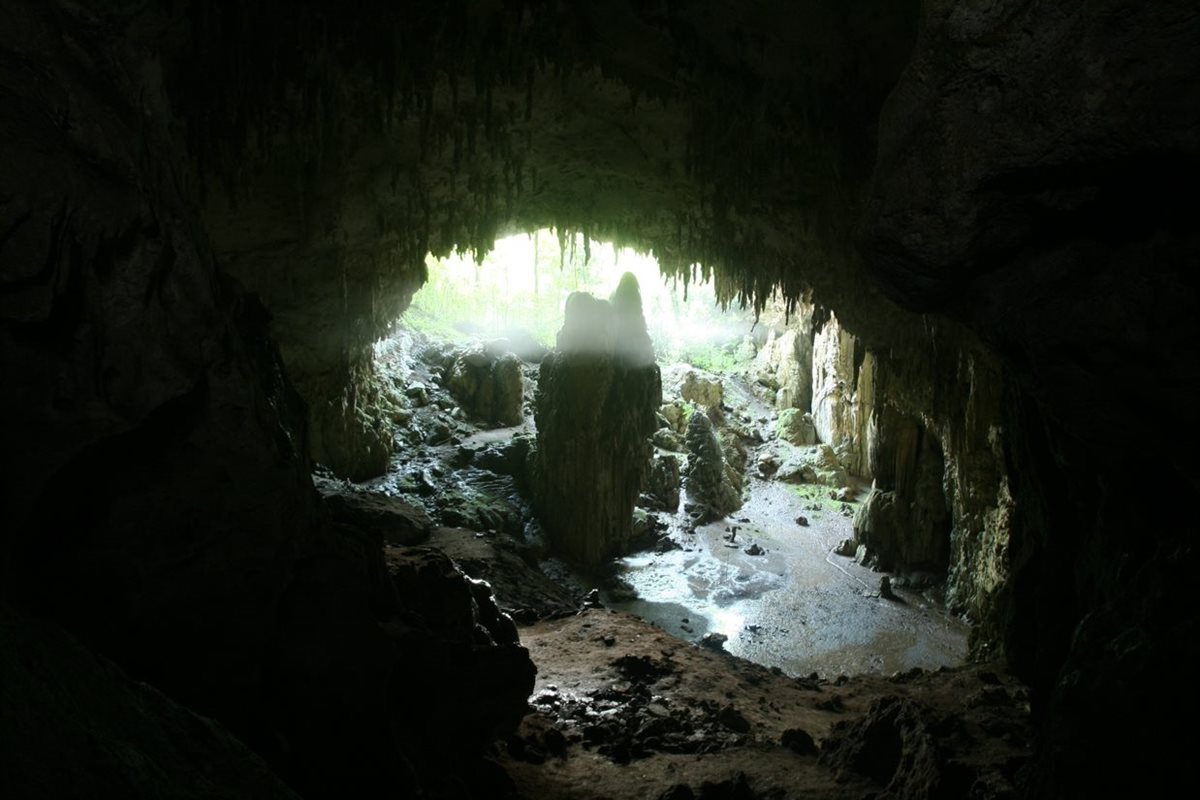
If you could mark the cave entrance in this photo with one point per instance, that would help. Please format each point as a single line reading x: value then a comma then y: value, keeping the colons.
x: 757, y: 470
x: 518, y: 290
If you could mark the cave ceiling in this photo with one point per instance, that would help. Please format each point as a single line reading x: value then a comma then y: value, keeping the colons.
x: 336, y: 151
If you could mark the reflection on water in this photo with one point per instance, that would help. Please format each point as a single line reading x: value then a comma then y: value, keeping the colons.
x: 797, y: 607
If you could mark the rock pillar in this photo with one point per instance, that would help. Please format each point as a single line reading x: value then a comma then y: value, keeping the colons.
x: 597, y: 395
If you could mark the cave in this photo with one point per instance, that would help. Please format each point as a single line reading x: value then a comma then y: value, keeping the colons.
x: 960, y: 238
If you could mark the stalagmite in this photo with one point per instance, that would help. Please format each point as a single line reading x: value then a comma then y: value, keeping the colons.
x: 598, y: 393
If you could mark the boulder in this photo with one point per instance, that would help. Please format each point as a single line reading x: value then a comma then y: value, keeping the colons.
x: 663, y: 482
x: 708, y: 482
x: 796, y: 427
x: 487, y: 383
x: 667, y: 440
x: 702, y: 389
x: 396, y: 521
x: 815, y: 464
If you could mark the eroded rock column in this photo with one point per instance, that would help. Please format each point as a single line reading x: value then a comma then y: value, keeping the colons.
x: 597, y: 396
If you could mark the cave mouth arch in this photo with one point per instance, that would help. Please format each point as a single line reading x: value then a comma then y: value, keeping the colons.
x: 744, y: 534
x: 520, y: 286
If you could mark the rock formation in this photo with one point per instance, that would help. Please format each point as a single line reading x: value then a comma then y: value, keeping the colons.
x: 486, y: 381
x: 701, y: 390
x: 843, y: 393
x: 905, y: 521
x: 711, y: 482
x: 995, y: 199
x: 663, y: 482
x: 596, y: 406
x: 784, y: 362
x: 796, y: 427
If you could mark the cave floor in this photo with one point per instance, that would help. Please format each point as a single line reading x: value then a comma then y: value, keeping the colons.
x: 623, y: 710
x: 799, y: 606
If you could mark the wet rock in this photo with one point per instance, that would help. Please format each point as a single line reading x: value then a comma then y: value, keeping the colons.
x: 906, y: 517
x: 666, y: 544
x: 847, y: 548
x: 799, y: 741
x: 418, y: 393
x: 508, y: 458
x: 394, y: 520
x: 796, y: 427
x: 702, y: 390
x: 708, y: 483
x: 755, y: 550
x: 597, y: 400
x: 663, y: 482
x: 463, y: 456
x: 767, y: 464
x: 802, y: 521
x: 437, y: 433
x: 667, y: 440
x: 714, y: 641
x: 487, y: 383
x: 674, y: 414
x: 815, y: 464
x: 464, y: 506
x: 885, y: 588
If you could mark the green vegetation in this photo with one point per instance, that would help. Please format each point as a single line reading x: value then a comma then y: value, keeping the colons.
x: 719, y: 358
x: 818, y: 494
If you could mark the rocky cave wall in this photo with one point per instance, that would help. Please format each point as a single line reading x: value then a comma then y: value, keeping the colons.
x: 157, y: 495
x: 927, y: 377
x: 650, y: 124
x: 1034, y: 181
x: 1030, y: 207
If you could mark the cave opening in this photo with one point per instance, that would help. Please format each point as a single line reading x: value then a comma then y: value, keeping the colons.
x: 797, y: 522
x: 253, y: 545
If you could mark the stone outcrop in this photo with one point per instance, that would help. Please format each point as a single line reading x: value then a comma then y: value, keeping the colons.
x: 783, y: 363
x: 702, y: 390
x: 597, y: 400
x: 843, y: 393
x: 663, y: 482
x: 486, y: 381
x: 351, y: 430
x: 814, y: 464
x: 905, y: 521
x: 711, y: 482
x: 1069, y: 247
x: 796, y: 427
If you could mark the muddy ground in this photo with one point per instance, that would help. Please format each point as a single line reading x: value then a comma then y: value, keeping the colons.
x: 633, y: 697
x: 624, y: 710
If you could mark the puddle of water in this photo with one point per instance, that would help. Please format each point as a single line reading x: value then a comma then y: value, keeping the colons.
x: 798, y: 607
